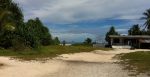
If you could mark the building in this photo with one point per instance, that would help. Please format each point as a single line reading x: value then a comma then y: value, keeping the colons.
x: 66, y: 44
x: 136, y: 41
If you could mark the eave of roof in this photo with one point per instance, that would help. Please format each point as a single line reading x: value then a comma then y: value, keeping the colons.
x: 130, y: 36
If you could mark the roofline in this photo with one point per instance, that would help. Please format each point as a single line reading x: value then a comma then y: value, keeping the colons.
x: 130, y: 36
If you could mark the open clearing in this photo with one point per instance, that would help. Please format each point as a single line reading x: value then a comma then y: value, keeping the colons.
x: 87, y: 64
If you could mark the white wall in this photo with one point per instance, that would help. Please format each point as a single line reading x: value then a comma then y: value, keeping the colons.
x: 121, y: 47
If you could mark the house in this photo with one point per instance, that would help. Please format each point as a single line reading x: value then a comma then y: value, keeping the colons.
x: 128, y: 41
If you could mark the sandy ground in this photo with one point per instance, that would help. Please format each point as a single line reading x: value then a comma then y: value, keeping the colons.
x: 96, y: 56
x: 15, y: 68
x: 88, y: 64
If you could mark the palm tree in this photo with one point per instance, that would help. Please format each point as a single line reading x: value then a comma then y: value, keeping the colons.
x: 10, y: 15
x: 147, y: 18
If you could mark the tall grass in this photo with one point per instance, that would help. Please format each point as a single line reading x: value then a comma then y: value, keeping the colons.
x: 47, y: 51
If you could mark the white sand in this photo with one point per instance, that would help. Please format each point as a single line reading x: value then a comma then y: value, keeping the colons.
x: 96, y: 56
x: 16, y: 68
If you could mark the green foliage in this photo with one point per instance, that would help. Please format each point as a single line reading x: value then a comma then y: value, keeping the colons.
x: 37, y: 34
x: 10, y: 18
x: 88, y: 41
x: 47, y: 52
x: 16, y: 34
x: 112, y: 31
x: 10, y: 13
x: 147, y: 18
x: 135, y: 30
x: 56, y: 41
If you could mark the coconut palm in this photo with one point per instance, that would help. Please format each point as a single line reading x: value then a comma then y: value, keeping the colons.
x: 147, y: 18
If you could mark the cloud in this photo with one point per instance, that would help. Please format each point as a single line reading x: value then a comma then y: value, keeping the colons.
x: 97, y: 29
x: 122, y: 30
x: 77, y: 19
x: 71, y: 11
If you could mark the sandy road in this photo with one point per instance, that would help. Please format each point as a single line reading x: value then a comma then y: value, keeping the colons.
x: 93, y: 64
x: 88, y: 64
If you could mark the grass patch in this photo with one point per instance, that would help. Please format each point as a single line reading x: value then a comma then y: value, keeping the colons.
x: 137, y: 62
x: 47, y: 52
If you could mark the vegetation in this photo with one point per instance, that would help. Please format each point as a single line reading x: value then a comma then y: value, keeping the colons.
x: 88, y: 41
x: 135, y: 30
x: 10, y: 17
x: 139, y: 62
x: 64, y: 43
x: 56, y: 41
x: 147, y: 18
x: 37, y: 34
x: 112, y: 31
x: 17, y: 34
x: 47, y: 52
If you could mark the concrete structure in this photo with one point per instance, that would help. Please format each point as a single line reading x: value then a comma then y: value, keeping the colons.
x: 136, y: 41
x: 66, y: 44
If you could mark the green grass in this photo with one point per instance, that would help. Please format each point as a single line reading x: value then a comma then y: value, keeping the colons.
x: 47, y: 52
x: 139, y: 62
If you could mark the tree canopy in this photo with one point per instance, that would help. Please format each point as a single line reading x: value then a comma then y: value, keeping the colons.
x: 56, y: 41
x: 15, y: 33
x: 111, y: 31
x: 36, y: 33
x: 135, y: 30
x: 88, y: 41
x: 147, y: 18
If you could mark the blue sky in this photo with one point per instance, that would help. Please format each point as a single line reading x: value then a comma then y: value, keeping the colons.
x: 75, y: 20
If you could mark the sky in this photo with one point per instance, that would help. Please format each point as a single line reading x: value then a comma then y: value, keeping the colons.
x: 76, y: 20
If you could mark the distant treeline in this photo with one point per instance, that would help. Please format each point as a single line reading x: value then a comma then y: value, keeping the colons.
x: 17, y: 34
x: 87, y: 42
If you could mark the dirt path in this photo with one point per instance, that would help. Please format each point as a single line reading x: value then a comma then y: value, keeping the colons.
x: 89, y: 64
x: 95, y: 56
x: 93, y: 64
x: 14, y: 68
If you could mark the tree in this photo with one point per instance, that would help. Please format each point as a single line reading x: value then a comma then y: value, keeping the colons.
x: 15, y: 33
x: 37, y: 34
x: 112, y: 31
x: 64, y: 43
x: 44, y: 34
x: 135, y: 30
x: 147, y: 18
x: 11, y: 17
x: 10, y: 14
x: 56, y: 41
x: 88, y: 41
